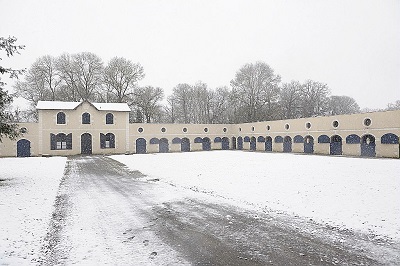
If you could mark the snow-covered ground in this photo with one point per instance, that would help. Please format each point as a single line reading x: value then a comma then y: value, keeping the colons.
x: 354, y: 193
x: 28, y: 188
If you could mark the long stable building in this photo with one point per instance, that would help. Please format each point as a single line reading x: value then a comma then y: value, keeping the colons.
x: 71, y: 128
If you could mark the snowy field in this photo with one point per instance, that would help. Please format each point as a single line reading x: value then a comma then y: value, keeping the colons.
x: 352, y: 193
x: 28, y: 187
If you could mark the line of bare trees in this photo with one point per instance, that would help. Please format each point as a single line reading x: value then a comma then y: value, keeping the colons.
x: 255, y: 94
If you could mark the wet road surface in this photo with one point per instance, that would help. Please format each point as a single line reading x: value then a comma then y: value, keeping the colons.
x: 107, y: 214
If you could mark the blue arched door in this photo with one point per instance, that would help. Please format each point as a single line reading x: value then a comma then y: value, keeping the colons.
x: 308, y: 144
x: 206, y: 144
x: 240, y: 143
x: 368, y: 146
x: 336, y: 145
x: 163, y: 145
x: 233, y: 143
x: 268, y: 144
x: 185, y: 144
x: 253, y: 144
x: 86, y: 143
x: 141, y: 146
x: 23, y: 148
x: 287, y: 144
x: 225, y: 143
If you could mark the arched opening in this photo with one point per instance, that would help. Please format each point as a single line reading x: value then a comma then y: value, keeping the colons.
x: 287, y: 144
x: 253, y: 144
x: 368, y: 146
x: 23, y: 148
x: 185, y: 145
x: 240, y: 143
x: 206, y: 144
x: 86, y: 143
x: 107, y: 140
x: 390, y: 138
x: 176, y: 140
x: 335, y: 145
x: 141, y: 146
x: 308, y: 144
x: 268, y: 144
x: 225, y: 143
x: 233, y: 143
x: 61, y: 141
x: 154, y: 141
x: 61, y: 118
x: 163, y: 145
x: 109, y: 118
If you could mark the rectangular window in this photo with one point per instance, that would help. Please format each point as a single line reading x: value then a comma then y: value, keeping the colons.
x: 61, y: 145
x: 107, y: 144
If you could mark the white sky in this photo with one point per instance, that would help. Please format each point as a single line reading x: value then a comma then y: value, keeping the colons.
x: 353, y: 46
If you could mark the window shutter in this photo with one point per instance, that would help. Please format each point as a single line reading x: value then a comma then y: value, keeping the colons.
x: 112, y: 140
x: 102, y: 141
x: 53, y: 144
x: 69, y: 141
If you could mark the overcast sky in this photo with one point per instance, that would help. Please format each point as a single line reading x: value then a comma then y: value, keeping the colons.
x: 353, y: 46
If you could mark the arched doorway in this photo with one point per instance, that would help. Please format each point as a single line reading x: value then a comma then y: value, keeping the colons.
x: 23, y: 148
x: 86, y: 143
x: 185, y: 144
x: 253, y: 144
x: 287, y: 144
x: 368, y: 146
x: 206, y: 144
x: 141, y: 146
x: 233, y: 143
x: 225, y: 143
x: 163, y: 145
x: 308, y: 144
x: 268, y: 144
x: 240, y: 143
x: 336, y: 145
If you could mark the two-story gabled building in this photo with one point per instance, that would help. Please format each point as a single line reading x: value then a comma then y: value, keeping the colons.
x: 72, y: 128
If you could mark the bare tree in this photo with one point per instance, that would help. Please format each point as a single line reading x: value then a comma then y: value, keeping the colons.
x: 147, y: 100
x: 393, y: 106
x: 256, y: 88
x: 182, y: 99
x: 121, y: 77
x: 290, y: 100
x: 69, y: 77
x: 339, y: 105
x: 315, y: 99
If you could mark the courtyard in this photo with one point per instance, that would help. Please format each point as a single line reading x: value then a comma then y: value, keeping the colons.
x: 201, y: 208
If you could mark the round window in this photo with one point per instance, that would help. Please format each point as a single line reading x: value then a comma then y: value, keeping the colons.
x: 268, y: 127
x: 308, y: 125
x: 23, y: 130
x: 287, y: 126
x: 367, y: 122
x: 163, y: 129
x: 140, y: 130
x: 184, y: 129
x: 224, y: 129
x: 205, y: 129
x: 335, y: 124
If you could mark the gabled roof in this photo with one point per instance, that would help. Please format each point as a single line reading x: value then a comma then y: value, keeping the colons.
x: 57, y: 105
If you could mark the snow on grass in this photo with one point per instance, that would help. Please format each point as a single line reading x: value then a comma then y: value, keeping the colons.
x: 355, y: 193
x: 28, y: 187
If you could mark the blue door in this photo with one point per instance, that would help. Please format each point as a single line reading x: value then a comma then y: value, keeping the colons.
x: 185, y: 145
x: 23, y: 148
x: 368, y: 146
x: 206, y: 144
x: 140, y: 146
x: 336, y: 145
x: 86, y: 143
x: 268, y: 144
x: 240, y: 143
x: 287, y: 144
x: 233, y: 143
x: 253, y: 144
x: 163, y: 145
x: 225, y: 143
x: 308, y: 144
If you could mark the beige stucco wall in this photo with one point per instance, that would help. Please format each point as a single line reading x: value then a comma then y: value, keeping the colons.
x: 126, y: 134
x: 8, y: 148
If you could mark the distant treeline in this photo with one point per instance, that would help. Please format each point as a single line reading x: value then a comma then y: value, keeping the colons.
x: 256, y: 93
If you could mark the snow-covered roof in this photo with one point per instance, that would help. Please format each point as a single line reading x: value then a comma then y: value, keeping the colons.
x: 57, y: 105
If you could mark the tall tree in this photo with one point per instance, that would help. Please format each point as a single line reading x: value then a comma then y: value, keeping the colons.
x: 69, y: 78
x: 121, y: 77
x: 315, y: 101
x: 182, y: 99
x: 290, y: 100
x: 147, y: 101
x: 256, y: 88
x: 340, y: 105
x: 7, y: 127
x: 393, y: 106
